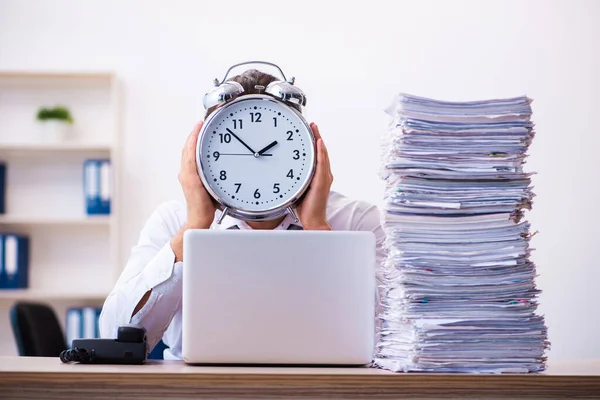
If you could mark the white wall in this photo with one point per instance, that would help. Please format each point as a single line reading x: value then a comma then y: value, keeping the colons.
x: 351, y: 60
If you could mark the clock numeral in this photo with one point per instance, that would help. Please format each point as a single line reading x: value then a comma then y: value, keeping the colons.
x: 216, y: 155
x: 290, y: 174
x: 275, y: 122
x: 256, y: 194
x: 223, y: 175
x: 225, y: 138
x: 276, y: 188
x: 296, y: 154
x: 239, y: 185
x: 290, y: 135
x: 255, y: 117
x: 237, y: 122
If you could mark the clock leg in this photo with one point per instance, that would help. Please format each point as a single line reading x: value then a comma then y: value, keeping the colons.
x: 223, y: 214
x: 291, y: 211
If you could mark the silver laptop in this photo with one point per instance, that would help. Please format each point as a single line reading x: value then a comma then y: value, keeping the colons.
x: 278, y: 297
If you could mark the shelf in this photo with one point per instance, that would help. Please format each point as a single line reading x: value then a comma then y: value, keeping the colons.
x: 30, y: 294
x: 53, y: 147
x: 101, y: 75
x: 44, y: 193
x: 28, y: 220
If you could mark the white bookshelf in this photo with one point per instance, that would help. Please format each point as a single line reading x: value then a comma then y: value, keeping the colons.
x: 74, y: 258
x: 52, y: 296
x: 29, y: 220
x: 67, y: 147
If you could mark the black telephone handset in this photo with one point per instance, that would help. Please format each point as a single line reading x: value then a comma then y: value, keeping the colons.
x: 129, y: 347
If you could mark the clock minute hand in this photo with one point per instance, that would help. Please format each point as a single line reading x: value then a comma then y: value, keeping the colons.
x: 241, y: 154
x: 241, y: 141
x: 267, y: 148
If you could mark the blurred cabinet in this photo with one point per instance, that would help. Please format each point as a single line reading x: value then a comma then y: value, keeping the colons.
x: 73, y: 257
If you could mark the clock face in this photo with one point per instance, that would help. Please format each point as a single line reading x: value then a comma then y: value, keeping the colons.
x: 256, y: 154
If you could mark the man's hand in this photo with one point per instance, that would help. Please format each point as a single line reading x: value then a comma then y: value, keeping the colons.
x: 200, y: 206
x: 311, y: 211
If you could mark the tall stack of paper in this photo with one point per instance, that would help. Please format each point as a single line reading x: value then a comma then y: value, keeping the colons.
x: 458, y: 290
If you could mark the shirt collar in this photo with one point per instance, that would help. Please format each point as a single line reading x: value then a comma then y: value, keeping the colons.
x: 229, y: 222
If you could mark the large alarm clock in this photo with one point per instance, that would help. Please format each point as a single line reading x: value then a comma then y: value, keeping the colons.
x: 255, y: 153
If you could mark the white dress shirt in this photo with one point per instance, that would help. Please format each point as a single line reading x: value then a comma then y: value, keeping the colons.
x: 152, y: 265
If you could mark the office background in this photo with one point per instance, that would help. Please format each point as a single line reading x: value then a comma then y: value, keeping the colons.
x: 350, y: 59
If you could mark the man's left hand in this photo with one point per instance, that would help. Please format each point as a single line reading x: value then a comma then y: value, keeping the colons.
x: 311, y: 211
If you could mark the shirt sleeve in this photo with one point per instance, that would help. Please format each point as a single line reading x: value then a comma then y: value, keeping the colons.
x: 370, y: 220
x: 151, y: 265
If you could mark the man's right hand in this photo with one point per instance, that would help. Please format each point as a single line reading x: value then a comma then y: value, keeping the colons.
x: 200, y: 206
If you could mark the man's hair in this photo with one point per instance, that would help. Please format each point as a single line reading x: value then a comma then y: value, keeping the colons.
x: 249, y: 80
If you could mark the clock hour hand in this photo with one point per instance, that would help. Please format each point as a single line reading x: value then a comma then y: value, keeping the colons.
x: 267, y: 148
x: 242, y: 142
x: 240, y: 154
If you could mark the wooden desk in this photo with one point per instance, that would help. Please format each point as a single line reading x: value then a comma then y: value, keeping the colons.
x: 47, y: 378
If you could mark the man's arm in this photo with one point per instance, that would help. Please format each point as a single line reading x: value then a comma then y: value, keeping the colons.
x: 177, y: 246
x: 150, y: 266
x: 149, y: 289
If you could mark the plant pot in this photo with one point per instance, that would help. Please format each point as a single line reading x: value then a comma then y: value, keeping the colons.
x: 54, y: 130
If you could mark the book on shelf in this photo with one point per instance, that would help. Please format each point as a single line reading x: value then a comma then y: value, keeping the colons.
x: 82, y: 323
x: 14, y: 261
x: 2, y: 187
x: 97, y: 186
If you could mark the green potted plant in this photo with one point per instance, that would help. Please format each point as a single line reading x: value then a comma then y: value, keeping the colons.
x: 56, y: 122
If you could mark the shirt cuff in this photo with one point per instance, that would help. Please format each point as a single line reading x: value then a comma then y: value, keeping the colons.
x: 158, y: 270
x: 172, y: 285
x: 163, y: 303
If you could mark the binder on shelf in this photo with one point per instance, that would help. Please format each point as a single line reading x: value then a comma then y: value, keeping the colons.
x: 15, y: 261
x: 2, y: 187
x: 82, y: 323
x: 74, y: 328
x: 105, y: 186
x: 97, y: 332
x: 89, y: 322
x: 97, y: 186
x: 91, y: 186
x: 2, y: 271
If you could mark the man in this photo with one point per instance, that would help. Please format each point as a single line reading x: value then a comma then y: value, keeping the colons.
x: 149, y: 290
